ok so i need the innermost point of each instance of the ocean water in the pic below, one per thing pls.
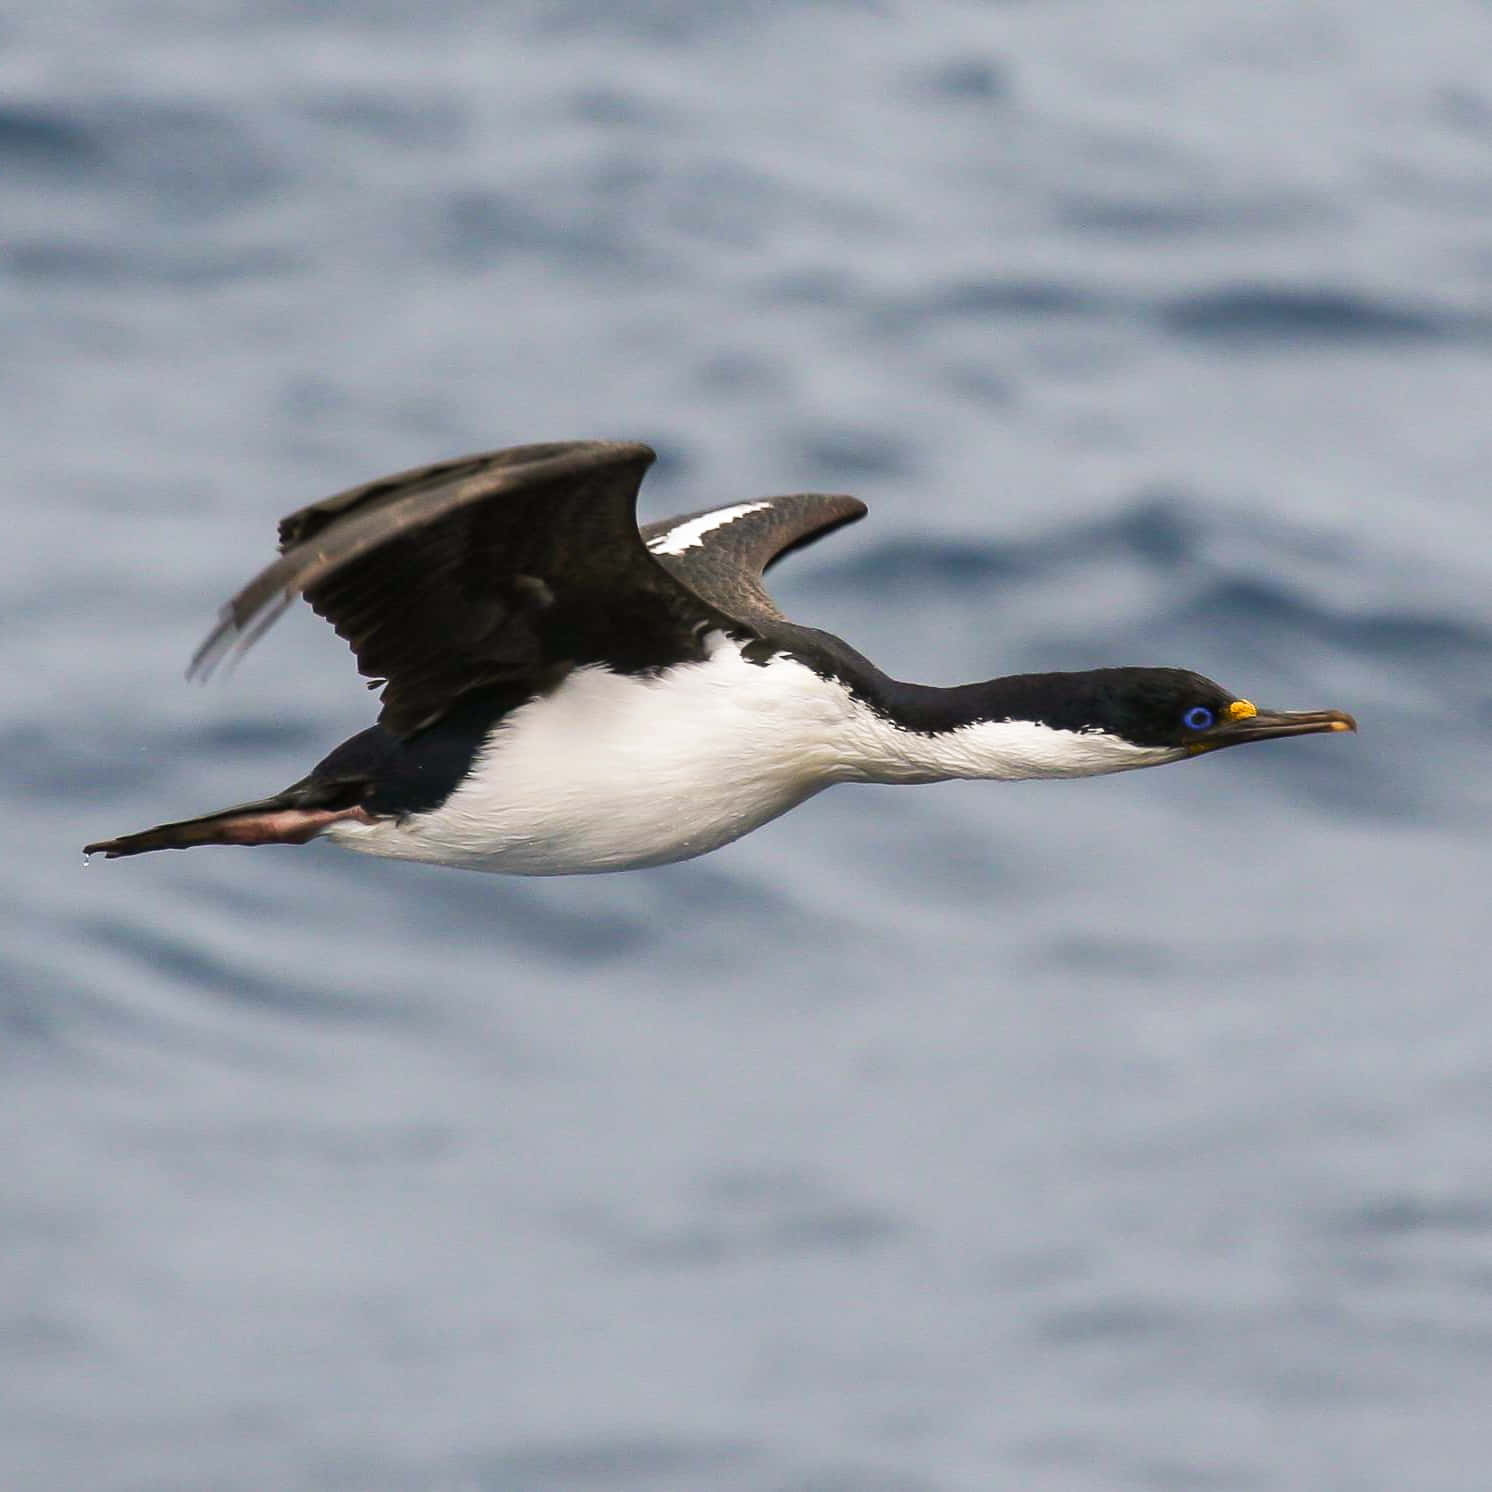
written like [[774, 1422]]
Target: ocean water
[[1069, 1137]]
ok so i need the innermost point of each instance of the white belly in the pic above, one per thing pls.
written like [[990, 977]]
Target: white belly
[[611, 772]]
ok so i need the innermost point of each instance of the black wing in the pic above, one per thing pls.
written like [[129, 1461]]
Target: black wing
[[509, 567], [720, 553]]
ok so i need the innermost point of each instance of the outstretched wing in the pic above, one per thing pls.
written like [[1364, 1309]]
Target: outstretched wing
[[503, 568], [720, 554]]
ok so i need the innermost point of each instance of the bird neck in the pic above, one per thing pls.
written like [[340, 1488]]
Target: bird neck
[[1006, 729]]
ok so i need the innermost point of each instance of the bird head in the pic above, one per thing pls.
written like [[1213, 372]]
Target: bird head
[[1173, 708]]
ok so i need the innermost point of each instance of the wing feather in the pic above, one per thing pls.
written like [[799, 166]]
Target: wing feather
[[506, 567], [722, 553]]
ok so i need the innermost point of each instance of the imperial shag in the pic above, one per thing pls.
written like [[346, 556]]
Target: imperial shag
[[563, 692]]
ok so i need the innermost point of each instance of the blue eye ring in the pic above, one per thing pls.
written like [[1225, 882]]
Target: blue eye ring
[[1199, 717]]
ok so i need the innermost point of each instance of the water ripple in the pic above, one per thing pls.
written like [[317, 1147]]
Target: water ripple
[[1259, 314], [38, 137]]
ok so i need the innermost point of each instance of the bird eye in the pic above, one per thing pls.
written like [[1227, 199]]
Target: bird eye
[[1199, 717]]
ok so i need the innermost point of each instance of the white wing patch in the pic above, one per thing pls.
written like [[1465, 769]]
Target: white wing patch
[[688, 535]]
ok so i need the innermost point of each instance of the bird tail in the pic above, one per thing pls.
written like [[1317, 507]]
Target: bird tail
[[277, 820]]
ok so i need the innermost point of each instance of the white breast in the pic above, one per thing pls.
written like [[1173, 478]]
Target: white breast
[[613, 771]]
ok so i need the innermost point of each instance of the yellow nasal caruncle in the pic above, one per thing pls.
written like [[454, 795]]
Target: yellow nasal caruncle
[[1242, 709]]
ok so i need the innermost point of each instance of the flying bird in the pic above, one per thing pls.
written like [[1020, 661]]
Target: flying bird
[[563, 692]]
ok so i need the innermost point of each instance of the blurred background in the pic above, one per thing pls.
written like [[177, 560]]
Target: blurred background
[[1119, 1134]]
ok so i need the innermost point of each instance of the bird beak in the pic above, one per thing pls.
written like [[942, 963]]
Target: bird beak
[[1267, 725]]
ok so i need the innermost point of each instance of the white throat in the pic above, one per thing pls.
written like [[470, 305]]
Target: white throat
[[1000, 750]]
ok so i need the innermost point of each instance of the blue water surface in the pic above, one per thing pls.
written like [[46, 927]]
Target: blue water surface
[[1069, 1137]]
